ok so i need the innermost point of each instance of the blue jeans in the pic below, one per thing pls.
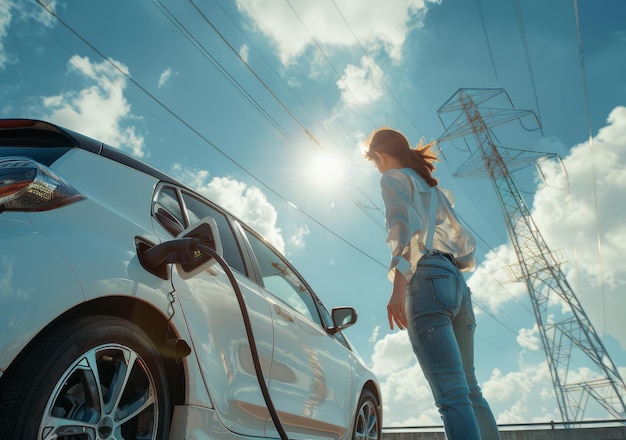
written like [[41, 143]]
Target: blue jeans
[[441, 329]]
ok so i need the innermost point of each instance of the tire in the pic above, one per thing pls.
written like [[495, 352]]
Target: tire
[[95, 377], [367, 422]]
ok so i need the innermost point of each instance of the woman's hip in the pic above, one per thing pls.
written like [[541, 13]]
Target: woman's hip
[[437, 285]]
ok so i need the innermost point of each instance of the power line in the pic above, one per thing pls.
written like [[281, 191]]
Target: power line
[[253, 72], [330, 63], [518, 14], [593, 166], [124, 73], [484, 26], [287, 87], [492, 316], [369, 59], [206, 54], [281, 103]]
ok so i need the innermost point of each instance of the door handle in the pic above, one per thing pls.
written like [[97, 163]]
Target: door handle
[[283, 314]]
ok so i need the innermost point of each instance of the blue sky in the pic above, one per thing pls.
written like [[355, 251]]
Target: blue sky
[[241, 99]]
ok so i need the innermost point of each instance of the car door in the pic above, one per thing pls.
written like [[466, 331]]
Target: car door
[[311, 379], [215, 320]]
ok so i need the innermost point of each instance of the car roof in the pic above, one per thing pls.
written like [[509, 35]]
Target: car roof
[[41, 134]]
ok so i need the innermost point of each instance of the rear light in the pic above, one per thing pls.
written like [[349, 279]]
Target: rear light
[[8, 124], [16, 123], [26, 185]]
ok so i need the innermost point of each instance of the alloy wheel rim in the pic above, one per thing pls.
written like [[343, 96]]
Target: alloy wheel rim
[[367, 422], [106, 393]]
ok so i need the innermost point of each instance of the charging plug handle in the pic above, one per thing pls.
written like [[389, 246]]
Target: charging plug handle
[[179, 250]]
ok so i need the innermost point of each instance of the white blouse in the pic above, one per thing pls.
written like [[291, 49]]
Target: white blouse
[[407, 210]]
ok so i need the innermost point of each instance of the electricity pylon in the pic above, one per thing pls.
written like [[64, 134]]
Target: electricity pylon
[[569, 339]]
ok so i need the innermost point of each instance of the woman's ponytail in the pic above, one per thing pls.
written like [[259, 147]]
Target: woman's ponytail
[[393, 142], [421, 160]]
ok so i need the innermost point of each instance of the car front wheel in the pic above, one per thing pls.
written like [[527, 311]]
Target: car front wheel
[[367, 423], [97, 377]]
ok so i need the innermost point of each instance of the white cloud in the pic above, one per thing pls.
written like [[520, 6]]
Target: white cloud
[[16, 11], [245, 202], [99, 109], [510, 386], [244, 52], [5, 22], [32, 10], [374, 334], [406, 395], [298, 238], [377, 25], [523, 396], [392, 353], [491, 283], [323, 35], [165, 76], [361, 84], [407, 399], [529, 338]]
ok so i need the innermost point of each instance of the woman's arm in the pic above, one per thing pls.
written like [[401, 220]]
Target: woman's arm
[[396, 310], [401, 219]]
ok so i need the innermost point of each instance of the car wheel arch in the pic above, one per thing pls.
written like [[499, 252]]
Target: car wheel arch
[[364, 423], [371, 386], [151, 320], [154, 323]]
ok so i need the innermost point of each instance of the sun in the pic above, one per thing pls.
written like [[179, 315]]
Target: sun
[[325, 169]]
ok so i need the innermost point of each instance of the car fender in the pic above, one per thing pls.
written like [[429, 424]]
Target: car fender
[[41, 273]]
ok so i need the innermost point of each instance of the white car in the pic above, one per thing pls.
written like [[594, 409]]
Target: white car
[[131, 307]]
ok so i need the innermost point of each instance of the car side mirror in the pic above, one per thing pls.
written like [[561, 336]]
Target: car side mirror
[[207, 234], [343, 317]]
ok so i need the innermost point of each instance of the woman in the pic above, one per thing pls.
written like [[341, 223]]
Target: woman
[[430, 298]]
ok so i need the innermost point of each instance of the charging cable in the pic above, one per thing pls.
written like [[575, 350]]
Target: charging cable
[[251, 341]]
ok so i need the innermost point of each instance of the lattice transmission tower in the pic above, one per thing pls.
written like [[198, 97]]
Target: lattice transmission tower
[[569, 339]]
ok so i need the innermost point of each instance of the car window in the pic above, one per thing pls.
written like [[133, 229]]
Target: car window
[[280, 279], [196, 210], [167, 207]]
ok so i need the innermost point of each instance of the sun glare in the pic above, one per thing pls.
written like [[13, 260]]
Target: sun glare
[[325, 169]]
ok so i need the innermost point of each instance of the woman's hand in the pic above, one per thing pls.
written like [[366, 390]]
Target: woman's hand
[[396, 309]]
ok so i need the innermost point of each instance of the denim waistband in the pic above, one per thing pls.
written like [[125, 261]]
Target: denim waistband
[[437, 253]]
